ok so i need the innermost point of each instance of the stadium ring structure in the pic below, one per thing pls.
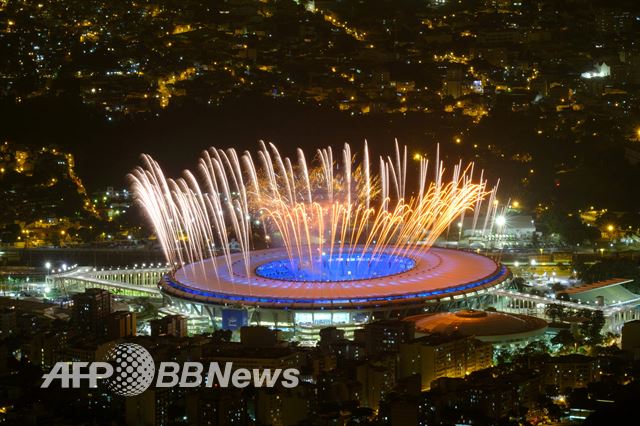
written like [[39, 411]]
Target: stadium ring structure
[[437, 279]]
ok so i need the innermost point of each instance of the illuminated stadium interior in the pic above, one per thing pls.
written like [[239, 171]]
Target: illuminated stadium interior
[[336, 267]]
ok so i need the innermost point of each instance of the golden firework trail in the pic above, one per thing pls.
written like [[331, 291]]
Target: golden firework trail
[[333, 206]]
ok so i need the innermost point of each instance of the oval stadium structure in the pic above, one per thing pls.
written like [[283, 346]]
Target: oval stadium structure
[[345, 296]]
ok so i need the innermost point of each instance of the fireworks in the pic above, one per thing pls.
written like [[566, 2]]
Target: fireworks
[[335, 208]]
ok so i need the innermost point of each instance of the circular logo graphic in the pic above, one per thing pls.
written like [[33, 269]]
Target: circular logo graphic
[[133, 369]]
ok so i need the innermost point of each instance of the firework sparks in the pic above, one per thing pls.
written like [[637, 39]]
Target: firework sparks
[[325, 210]]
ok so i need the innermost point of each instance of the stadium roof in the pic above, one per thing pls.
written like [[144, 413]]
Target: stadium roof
[[598, 285], [439, 274], [612, 294]]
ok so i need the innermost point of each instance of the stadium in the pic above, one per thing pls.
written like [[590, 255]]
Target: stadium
[[344, 245], [439, 277]]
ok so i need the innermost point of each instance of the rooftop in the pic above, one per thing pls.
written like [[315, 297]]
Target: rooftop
[[477, 323], [611, 291], [438, 274], [598, 285]]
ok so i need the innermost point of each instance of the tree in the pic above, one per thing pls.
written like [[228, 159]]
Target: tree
[[610, 338], [592, 328], [10, 233], [536, 347], [86, 234], [535, 240], [554, 311], [564, 338], [547, 404], [503, 357], [536, 292], [569, 227], [519, 283]]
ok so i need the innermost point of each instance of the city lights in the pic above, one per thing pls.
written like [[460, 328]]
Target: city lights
[[485, 273]]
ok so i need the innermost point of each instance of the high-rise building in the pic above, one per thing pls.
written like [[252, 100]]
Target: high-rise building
[[279, 406], [377, 379], [216, 407], [329, 336], [149, 408], [8, 321], [86, 351], [258, 336], [631, 336], [572, 371], [171, 325], [386, 336], [611, 21], [122, 324], [91, 310], [495, 392], [453, 83], [47, 347], [438, 355], [334, 345]]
